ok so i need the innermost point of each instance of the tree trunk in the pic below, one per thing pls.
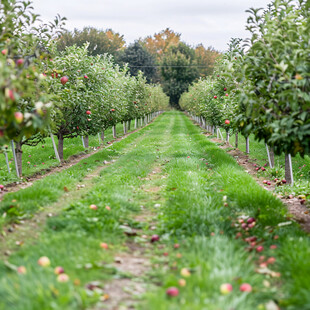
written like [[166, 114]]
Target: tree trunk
[[288, 170], [136, 123], [114, 131], [141, 121], [7, 161], [227, 137], [86, 141], [271, 152], [236, 140], [247, 147], [61, 147], [102, 135], [124, 127], [129, 124], [19, 152]]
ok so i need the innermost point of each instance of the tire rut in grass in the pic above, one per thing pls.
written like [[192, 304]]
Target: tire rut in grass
[[134, 263]]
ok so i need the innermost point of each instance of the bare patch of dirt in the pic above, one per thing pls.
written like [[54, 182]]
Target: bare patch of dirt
[[123, 293]]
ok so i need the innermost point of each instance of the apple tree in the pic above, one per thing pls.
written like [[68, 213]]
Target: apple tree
[[275, 99], [24, 105]]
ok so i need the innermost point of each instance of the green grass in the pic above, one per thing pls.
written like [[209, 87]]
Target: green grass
[[301, 166], [195, 176], [36, 159], [72, 238]]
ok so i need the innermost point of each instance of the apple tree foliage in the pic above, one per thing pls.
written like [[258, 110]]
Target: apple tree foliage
[[267, 83], [24, 104], [91, 94], [276, 98]]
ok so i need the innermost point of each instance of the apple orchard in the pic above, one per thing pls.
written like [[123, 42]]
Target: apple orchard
[[112, 199]]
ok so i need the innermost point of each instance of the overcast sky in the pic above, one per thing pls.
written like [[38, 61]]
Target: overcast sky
[[210, 22]]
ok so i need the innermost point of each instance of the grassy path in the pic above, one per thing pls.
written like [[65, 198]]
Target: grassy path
[[168, 180]]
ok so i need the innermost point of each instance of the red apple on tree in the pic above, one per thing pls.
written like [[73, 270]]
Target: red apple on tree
[[64, 80], [227, 122], [19, 117], [215, 97], [20, 62], [88, 112]]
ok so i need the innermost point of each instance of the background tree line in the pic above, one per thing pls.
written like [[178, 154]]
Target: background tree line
[[163, 57]]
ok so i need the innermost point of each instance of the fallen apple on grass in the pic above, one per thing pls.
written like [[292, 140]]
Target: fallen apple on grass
[[154, 238], [104, 245], [22, 270], [58, 270], [226, 288], [245, 287], [185, 272], [44, 261], [62, 278], [172, 292], [93, 207], [259, 249]]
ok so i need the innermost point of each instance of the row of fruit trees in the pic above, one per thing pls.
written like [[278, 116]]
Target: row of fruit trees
[[262, 86], [45, 92]]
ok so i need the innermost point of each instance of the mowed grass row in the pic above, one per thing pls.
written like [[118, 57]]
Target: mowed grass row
[[76, 239], [204, 194], [207, 194], [43, 157]]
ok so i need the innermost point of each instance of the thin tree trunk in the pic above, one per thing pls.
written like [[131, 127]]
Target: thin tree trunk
[[136, 123], [54, 147], [102, 135], [19, 152], [7, 161], [288, 170], [227, 137], [271, 152], [129, 124], [247, 148], [236, 140], [61, 147], [114, 131], [86, 141], [124, 127]]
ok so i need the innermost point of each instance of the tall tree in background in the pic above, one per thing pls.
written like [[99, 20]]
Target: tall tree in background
[[159, 44], [205, 59], [100, 41], [179, 70], [139, 59]]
